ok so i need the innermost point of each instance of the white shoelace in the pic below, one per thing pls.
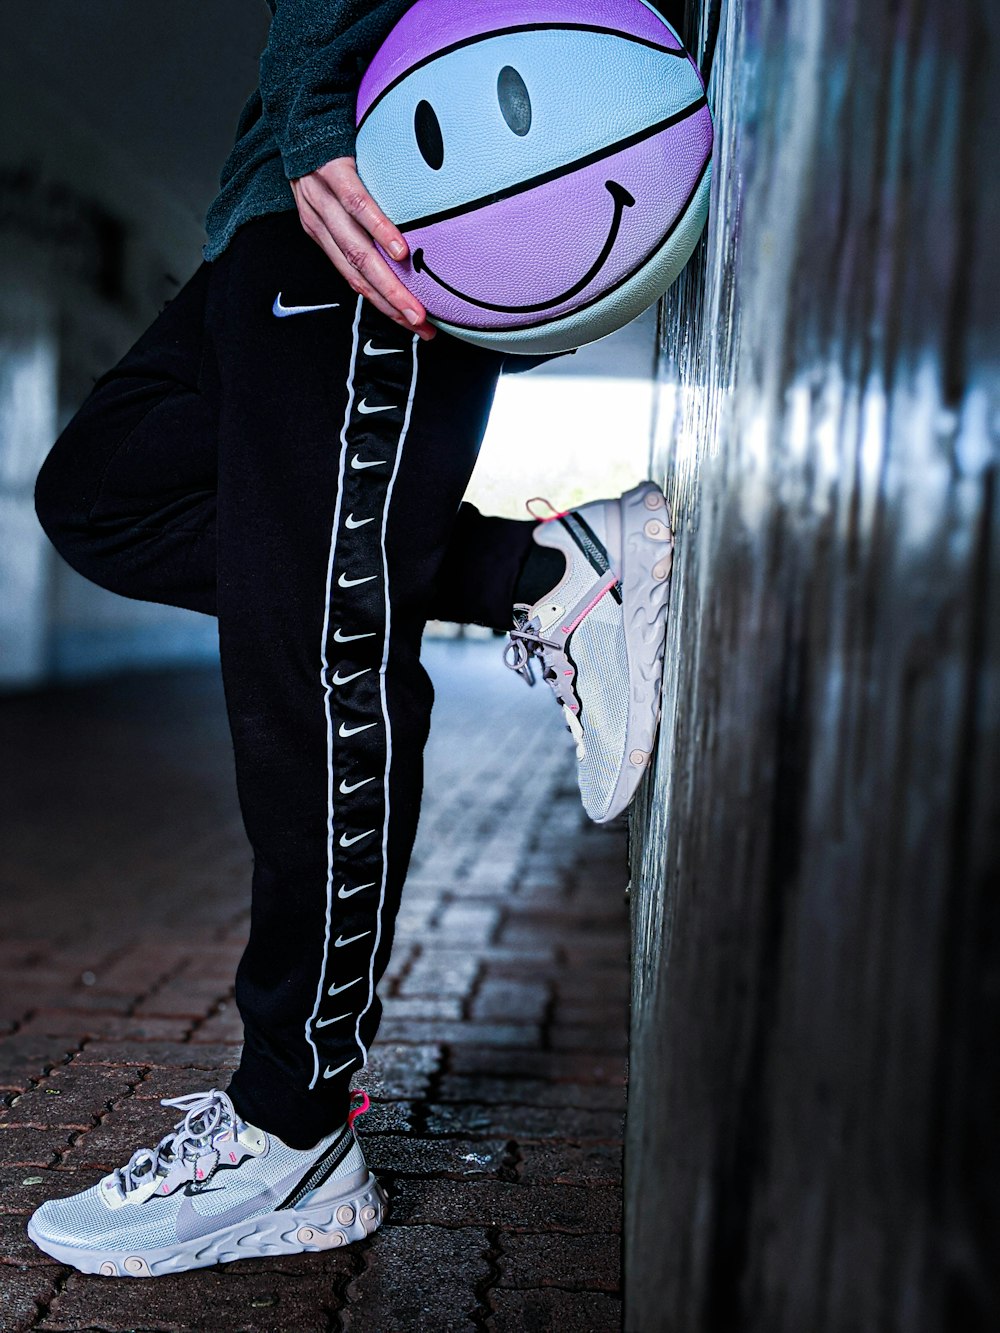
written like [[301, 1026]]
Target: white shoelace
[[205, 1113], [525, 643]]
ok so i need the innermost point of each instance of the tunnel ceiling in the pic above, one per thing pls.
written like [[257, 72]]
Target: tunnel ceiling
[[163, 80]]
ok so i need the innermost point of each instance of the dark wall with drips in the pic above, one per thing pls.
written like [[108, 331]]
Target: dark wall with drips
[[813, 1078]]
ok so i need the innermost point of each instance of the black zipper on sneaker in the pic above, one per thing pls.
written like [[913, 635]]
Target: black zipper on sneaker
[[591, 546], [326, 1165]]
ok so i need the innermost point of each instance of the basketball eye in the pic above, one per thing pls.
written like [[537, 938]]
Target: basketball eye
[[428, 131], [515, 104]]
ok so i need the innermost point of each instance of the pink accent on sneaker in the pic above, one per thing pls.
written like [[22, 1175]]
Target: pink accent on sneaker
[[544, 518], [360, 1109], [568, 629], [232, 1157]]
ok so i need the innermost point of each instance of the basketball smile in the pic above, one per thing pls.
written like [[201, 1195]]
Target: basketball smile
[[622, 200]]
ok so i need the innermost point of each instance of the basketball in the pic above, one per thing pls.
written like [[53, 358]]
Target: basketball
[[547, 161]]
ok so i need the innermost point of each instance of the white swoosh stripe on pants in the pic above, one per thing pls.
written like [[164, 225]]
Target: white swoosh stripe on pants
[[327, 691], [385, 706]]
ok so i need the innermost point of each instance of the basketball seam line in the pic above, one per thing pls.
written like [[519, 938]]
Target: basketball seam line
[[567, 295], [554, 173], [505, 32], [575, 310]]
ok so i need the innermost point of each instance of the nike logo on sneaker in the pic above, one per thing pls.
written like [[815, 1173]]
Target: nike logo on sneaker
[[356, 462], [345, 892], [345, 582], [340, 637], [338, 679], [283, 311], [335, 989], [191, 1224], [346, 731], [347, 840], [325, 1022], [365, 410], [351, 522], [370, 350], [345, 790], [340, 942]]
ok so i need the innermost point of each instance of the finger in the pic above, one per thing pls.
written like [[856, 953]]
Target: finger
[[361, 254], [315, 226], [357, 245], [355, 200]]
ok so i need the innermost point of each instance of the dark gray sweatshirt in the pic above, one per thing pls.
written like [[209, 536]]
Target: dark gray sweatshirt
[[302, 115]]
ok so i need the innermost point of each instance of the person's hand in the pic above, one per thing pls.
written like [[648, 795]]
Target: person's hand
[[343, 219]]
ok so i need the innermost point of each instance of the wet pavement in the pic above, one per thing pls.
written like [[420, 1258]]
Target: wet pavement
[[498, 1077]]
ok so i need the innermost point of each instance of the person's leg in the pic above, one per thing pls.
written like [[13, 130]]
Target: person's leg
[[322, 459], [478, 579], [345, 449], [127, 494]]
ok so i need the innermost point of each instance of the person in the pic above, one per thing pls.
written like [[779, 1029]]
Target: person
[[287, 449]]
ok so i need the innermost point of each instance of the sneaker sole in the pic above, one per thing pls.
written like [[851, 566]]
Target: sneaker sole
[[327, 1226], [647, 556]]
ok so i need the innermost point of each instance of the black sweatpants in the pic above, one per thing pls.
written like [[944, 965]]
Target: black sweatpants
[[299, 475]]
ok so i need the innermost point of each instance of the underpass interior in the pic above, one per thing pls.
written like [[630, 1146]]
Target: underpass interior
[[813, 1016], [499, 1091]]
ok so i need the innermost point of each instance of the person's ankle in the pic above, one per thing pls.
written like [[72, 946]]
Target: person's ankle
[[542, 569]]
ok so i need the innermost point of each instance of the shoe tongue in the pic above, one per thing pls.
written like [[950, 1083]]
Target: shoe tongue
[[204, 1135]]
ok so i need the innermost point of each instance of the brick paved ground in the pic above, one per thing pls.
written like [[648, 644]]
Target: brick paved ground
[[498, 1075]]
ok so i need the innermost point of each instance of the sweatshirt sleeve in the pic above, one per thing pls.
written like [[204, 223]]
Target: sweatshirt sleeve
[[316, 53]]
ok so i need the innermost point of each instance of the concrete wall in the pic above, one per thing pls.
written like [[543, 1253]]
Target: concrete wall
[[813, 1080]]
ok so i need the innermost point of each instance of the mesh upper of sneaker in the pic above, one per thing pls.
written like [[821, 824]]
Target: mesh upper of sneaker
[[232, 1193], [598, 649], [595, 651]]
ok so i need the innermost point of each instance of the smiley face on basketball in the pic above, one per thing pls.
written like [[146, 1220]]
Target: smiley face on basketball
[[548, 162]]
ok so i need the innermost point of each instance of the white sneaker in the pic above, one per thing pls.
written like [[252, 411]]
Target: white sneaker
[[215, 1189], [599, 637]]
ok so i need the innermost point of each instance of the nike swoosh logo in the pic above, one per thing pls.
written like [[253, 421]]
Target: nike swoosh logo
[[345, 582], [380, 351], [346, 731], [345, 790], [340, 942], [356, 462], [325, 1022], [191, 1224], [329, 1073], [340, 637], [338, 679], [283, 311], [347, 841], [335, 990], [345, 892], [352, 522], [365, 410]]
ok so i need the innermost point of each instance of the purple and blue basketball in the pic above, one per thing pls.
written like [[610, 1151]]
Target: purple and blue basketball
[[548, 161]]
